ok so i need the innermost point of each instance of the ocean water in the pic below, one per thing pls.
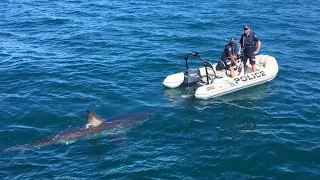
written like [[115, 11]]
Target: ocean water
[[61, 58]]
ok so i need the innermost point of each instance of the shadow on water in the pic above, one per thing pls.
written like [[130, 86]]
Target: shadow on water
[[230, 116]]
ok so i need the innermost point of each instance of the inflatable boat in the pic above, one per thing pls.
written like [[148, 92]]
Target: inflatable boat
[[210, 81]]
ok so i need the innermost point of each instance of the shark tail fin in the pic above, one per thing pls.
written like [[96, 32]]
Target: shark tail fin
[[93, 119]]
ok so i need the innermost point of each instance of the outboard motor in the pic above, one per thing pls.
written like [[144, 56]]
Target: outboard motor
[[191, 78]]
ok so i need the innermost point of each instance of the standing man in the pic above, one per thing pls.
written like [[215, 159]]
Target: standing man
[[228, 56], [250, 43]]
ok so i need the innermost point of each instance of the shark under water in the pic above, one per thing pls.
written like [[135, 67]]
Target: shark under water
[[95, 128]]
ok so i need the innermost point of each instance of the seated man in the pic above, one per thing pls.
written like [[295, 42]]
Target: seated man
[[228, 56]]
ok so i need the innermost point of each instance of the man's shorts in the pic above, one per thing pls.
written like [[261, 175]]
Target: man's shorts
[[249, 55]]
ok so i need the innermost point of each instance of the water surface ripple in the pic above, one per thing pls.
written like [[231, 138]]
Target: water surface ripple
[[60, 58]]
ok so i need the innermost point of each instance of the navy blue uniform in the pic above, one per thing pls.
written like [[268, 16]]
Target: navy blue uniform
[[229, 50], [249, 45]]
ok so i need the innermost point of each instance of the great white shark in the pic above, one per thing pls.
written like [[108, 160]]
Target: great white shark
[[95, 127]]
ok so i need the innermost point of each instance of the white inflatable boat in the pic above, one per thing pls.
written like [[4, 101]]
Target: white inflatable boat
[[208, 82]]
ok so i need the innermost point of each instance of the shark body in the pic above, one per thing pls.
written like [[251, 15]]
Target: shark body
[[93, 129]]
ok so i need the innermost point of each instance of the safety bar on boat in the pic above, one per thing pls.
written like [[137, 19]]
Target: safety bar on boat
[[194, 55], [207, 65]]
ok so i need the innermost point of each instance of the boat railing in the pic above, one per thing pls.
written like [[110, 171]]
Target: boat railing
[[206, 65]]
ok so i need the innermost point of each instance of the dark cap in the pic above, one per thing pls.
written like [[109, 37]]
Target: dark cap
[[233, 40], [246, 27]]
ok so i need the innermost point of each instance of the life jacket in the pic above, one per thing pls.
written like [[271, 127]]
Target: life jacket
[[248, 43]]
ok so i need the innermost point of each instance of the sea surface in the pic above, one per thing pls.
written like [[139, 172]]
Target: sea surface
[[60, 58]]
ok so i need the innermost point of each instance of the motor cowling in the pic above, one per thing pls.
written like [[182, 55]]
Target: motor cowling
[[191, 77]]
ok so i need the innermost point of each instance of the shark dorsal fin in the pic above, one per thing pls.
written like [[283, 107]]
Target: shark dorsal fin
[[93, 119]]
